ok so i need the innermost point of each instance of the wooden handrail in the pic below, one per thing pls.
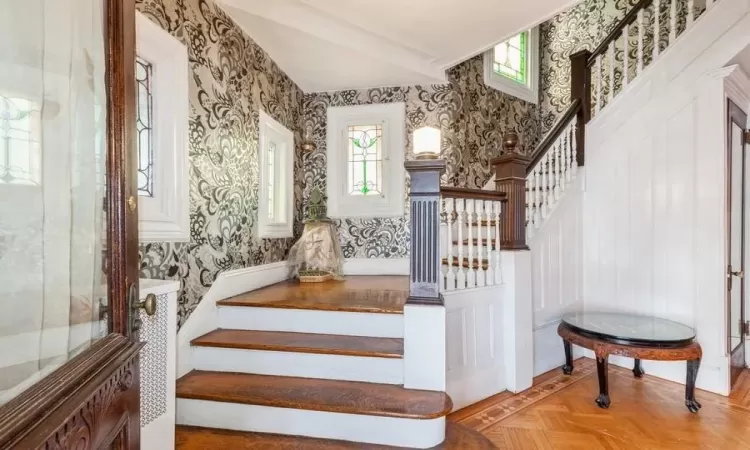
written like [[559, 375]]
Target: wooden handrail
[[617, 31], [476, 194], [551, 137]]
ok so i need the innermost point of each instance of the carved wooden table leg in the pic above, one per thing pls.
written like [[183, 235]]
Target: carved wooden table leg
[[638, 369], [692, 373], [602, 367], [568, 367]]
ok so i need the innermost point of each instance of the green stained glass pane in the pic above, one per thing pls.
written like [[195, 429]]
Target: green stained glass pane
[[365, 159], [511, 58]]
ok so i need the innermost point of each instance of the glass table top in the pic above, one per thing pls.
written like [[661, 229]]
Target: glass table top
[[624, 326]]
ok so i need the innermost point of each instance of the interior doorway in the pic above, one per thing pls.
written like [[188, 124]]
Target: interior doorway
[[737, 198]]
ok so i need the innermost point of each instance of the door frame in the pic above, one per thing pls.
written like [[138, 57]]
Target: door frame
[[735, 115], [94, 399]]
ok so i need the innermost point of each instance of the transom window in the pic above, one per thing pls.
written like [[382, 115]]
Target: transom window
[[365, 159], [20, 129], [143, 76], [510, 58], [512, 66]]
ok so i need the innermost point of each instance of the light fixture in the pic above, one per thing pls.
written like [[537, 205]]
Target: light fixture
[[427, 143]]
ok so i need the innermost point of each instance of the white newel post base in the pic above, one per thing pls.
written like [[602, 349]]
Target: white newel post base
[[424, 347], [518, 320], [158, 363]]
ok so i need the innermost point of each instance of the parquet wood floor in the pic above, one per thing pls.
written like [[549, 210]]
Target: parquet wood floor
[[559, 413]]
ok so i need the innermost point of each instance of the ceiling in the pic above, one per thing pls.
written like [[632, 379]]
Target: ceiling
[[331, 45]]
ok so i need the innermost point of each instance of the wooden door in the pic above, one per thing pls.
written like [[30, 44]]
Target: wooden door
[[737, 185], [68, 225]]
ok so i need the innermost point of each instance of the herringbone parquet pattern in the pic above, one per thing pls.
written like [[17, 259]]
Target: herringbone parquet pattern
[[559, 413]]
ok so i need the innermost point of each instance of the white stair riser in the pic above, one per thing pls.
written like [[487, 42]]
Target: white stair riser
[[319, 424], [311, 321], [294, 364]]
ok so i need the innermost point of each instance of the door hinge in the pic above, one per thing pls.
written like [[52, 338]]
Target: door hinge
[[746, 328], [747, 137]]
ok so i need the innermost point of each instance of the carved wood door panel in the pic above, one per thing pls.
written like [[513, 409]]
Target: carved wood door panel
[[68, 226]]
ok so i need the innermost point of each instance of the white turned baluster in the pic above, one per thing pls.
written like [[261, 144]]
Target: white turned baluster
[[490, 273], [574, 146], [639, 63], [625, 56], [531, 185], [450, 278], [537, 198], [545, 183], [497, 208], [672, 21], [690, 13], [566, 147], [471, 278], [460, 219], [657, 28], [550, 182], [556, 161], [598, 106], [611, 71]]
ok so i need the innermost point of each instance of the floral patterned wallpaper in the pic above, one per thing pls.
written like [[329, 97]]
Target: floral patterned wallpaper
[[473, 119], [231, 77]]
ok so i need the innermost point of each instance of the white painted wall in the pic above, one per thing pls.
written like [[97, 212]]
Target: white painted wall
[[475, 367], [557, 274], [425, 347], [653, 207]]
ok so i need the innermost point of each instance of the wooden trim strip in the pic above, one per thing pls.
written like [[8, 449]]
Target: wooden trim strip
[[476, 194], [629, 18], [33, 406], [551, 137]]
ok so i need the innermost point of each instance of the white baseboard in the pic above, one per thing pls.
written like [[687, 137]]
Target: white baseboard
[[376, 266], [298, 364], [228, 284], [392, 431]]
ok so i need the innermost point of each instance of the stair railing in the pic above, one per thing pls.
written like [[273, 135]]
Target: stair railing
[[534, 184], [470, 238]]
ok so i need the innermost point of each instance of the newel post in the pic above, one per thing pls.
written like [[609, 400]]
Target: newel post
[[510, 177], [580, 88], [424, 199]]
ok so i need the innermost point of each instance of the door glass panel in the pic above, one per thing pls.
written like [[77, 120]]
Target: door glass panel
[[52, 156], [736, 238]]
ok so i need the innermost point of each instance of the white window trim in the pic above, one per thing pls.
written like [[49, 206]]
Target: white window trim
[[391, 202], [166, 215], [528, 92], [285, 191]]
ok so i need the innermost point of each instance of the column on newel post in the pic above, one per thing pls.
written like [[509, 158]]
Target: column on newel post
[[424, 312], [518, 324]]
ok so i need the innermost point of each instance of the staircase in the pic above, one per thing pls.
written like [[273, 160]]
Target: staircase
[[321, 360]]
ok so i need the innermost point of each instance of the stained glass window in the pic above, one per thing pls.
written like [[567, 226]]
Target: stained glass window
[[144, 125], [271, 180], [365, 148], [511, 58], [20, 129]]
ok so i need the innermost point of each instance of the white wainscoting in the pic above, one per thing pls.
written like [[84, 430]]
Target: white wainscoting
[[557, 274], [654, 206], [474, 328], [205, 318]]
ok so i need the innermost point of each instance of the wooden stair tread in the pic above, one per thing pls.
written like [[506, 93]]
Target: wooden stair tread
[[303, 343], [475, 242], [348, 397], [457, 437], [372, 294], [474, 265]]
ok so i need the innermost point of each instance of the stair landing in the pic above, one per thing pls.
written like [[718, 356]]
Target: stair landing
[[457, 437], [371, 294]]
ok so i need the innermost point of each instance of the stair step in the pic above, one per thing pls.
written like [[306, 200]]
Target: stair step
[[303, 343], [371, 294], [474, 265], [475, 242], [347, 397], [457, 437]]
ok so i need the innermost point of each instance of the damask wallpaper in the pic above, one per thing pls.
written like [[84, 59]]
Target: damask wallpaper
[[472, 118], [231, 77]]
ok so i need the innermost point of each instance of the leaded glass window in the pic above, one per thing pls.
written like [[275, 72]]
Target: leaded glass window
[[20, 129], [510, 58], [365, 163], [144, 125]]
